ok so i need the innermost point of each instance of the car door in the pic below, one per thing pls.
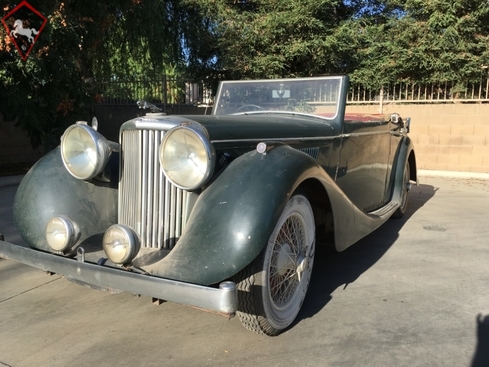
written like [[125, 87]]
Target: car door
[[363, 166]]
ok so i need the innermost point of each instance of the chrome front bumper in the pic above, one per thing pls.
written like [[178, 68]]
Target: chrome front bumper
[[222, 300]]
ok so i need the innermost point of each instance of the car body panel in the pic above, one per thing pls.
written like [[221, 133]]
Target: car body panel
[[48, 190], [364, 161]]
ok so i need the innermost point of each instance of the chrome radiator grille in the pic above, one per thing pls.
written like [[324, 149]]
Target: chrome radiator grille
[[148, 202]]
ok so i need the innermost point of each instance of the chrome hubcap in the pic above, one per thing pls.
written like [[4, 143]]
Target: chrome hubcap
[[301, 265], [285, 260]]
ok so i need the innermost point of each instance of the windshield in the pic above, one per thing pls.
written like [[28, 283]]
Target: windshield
[[316, 96]]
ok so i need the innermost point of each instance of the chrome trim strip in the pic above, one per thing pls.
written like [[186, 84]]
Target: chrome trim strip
[[282, 79], [144, 191], [223, 300], [162, 123], [322, 138], [161, 206], [319, 138], [287, 113], [166, 223], [358, 135]]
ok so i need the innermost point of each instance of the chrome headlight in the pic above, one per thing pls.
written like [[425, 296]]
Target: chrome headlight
[[61, 233], [84, 151], [187, 156], [121, 244]]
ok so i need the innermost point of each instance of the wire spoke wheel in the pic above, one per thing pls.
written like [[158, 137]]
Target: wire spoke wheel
[[273, 288], [290, 242]]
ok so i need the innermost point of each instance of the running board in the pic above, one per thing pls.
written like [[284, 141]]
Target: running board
[[386, 209]]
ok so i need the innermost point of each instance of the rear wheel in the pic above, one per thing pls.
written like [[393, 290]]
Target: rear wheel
[[406, 186], [272, 288]]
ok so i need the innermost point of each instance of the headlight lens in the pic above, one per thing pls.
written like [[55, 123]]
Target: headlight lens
[[187, 156], [61, 233], [84, 151], [121, 244]]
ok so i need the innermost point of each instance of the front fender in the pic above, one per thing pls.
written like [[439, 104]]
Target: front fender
[[48, 190], [234, 217]]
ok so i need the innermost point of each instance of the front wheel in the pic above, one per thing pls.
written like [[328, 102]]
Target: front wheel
[[271, 290]]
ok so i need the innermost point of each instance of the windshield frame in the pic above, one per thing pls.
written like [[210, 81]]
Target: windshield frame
[[224, 85]]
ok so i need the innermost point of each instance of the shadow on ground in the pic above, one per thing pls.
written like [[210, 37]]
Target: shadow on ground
[[481, 355], [334, 269]]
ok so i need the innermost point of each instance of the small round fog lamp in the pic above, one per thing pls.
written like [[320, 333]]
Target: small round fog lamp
[[61, 233], [121, 244]]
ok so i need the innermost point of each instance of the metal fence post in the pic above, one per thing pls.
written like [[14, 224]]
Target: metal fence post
[[381, 106], [165, 95]]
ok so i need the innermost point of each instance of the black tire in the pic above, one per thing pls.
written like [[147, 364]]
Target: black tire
[[406, 185], [272, 288]]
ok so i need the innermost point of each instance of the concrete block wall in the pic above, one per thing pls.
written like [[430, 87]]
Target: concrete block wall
[[447, 137], [15, 145]]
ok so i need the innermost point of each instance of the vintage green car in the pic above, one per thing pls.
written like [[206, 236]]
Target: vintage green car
[[222, 211]]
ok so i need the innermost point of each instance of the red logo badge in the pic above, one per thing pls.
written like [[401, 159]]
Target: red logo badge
[[24, 25]]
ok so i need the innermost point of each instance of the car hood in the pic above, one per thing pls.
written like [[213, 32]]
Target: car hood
[[264, 126]]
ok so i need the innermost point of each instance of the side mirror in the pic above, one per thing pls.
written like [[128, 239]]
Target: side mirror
[[407, 125], [403, 124], [396, 119]]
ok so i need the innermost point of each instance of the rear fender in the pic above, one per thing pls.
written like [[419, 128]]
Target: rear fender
[[351, 224], [405, 154]]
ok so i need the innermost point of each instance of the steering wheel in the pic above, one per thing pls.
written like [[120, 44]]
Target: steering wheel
[[249, 107]]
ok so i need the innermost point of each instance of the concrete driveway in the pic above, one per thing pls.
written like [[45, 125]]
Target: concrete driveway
[[413, 293]]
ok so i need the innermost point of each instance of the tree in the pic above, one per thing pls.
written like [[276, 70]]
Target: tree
[[425, 40], [375, 41], [257, 39], [85, 41], [43, 89]]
